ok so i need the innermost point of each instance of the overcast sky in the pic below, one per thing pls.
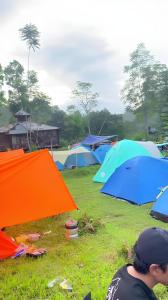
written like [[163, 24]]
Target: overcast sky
[[86, 40]]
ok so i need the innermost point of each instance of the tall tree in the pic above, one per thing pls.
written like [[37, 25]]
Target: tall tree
[[17, 87], [134, 93], [17, 92], [87, 99], [2, 96], [30, 34]]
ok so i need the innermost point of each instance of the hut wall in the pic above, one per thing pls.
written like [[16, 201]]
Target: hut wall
[[5, 142]]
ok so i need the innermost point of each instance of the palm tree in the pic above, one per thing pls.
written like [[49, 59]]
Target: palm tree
[[30, 34]]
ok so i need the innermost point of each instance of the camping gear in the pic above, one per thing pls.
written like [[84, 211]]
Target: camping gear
[[8, 247], [138, 180], [47, 232], [35, 252], [60, 156], [84, 159], [76, 157], [53, 282], [101, 151], [32, 188], [92, 140], [121, 152], [20, 252], [71, 229], [65, 285], [31, 237], [160, 208]]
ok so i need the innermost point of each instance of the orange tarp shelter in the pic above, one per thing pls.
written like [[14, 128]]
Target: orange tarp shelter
[[31, 187], [11, 154], [7, 246]]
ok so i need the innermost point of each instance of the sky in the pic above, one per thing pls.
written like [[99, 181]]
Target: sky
[[83, 40]]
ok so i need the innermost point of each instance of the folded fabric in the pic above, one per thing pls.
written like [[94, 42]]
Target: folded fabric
[[31, 237], [35, 252]]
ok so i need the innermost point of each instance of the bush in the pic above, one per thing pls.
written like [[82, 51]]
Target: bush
[[87, 224], [126, 252]]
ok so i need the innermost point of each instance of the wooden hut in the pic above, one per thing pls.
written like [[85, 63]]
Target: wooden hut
[[24, 133]]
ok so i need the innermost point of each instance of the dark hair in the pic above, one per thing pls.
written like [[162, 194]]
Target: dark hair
[[142, 267]]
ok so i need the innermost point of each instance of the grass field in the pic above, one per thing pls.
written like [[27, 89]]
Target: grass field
[[88, 262]]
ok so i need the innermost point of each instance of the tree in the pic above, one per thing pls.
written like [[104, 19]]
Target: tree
[[17, 92], [86, 98], [105, 123], [40, 108], [134, 93], [33, 85], [2, 97], [30, 34], [74, 127]]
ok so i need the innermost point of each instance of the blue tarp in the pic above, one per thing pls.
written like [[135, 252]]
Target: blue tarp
[[91, 140], [160, 207], [80, 160], [138, 180], [101, 151]]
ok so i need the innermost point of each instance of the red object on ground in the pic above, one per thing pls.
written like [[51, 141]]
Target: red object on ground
[[7, 246], [71, 224]]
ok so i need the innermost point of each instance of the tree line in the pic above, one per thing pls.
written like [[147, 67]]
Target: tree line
[[145, 95], [75, 122]]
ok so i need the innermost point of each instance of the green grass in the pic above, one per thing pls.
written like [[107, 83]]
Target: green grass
[[88, 262]]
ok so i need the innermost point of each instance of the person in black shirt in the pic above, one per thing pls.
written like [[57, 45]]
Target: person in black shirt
[[150, 266]]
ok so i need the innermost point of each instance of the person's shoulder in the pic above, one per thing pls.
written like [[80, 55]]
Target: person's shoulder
[[126, 287], [121, 271]]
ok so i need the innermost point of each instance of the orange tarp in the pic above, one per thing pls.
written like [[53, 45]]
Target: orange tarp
[[11, 154], [31, 188], [7, 246]]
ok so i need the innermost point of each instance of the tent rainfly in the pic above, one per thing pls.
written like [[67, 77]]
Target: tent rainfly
[[11, 154], [32, 188], [92, 140]]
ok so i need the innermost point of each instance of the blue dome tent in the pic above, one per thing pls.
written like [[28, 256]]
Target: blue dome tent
[[101, 151], [120, 153], [138, 180], [160, 207], [79, 157]]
